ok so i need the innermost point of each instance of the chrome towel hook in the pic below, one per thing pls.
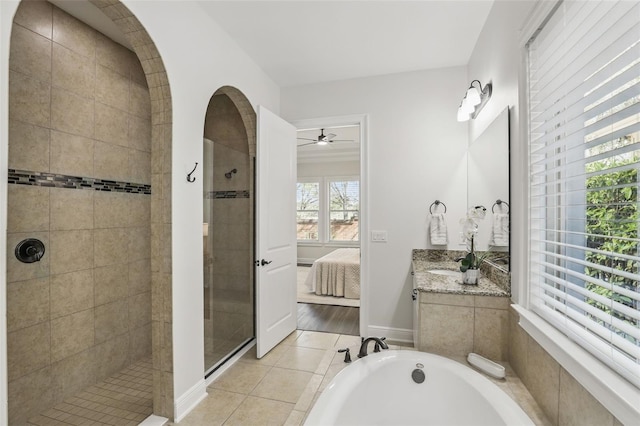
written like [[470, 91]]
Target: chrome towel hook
[[189, 178]]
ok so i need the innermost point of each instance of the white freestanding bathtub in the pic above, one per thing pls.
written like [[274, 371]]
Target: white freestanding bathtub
[[380, 390]]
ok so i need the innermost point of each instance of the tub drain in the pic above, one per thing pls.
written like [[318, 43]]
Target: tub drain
[[418, 376]]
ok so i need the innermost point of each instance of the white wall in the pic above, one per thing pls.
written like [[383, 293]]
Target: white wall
[[496, 58], [416, 154], [199, 58]]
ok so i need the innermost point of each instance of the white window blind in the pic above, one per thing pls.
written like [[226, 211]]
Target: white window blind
[[584, 153]]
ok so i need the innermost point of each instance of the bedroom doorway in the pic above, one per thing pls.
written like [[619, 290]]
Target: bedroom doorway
[[330, 219]]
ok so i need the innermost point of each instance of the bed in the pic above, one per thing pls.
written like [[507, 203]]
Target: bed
[[336, 274]]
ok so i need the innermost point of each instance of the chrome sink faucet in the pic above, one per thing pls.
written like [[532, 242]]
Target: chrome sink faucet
[[379, 344]]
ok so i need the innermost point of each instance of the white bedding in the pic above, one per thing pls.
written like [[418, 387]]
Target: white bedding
[[336, 274]]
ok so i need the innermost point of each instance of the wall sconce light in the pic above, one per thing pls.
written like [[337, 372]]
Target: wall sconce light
[[474, 100]]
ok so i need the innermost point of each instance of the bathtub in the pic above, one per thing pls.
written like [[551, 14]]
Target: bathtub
[[379, 390]]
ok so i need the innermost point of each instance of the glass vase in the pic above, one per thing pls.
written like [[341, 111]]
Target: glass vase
[[471, 276]]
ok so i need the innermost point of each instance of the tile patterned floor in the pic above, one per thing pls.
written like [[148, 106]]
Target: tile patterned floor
[[281, 388], [123, 399]]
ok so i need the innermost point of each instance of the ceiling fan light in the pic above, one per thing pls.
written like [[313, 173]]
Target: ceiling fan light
[[322, 142]]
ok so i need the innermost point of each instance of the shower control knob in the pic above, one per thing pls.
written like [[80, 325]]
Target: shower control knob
[[30, 250]]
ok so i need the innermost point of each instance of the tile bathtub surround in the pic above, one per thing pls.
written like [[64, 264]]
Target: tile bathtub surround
[[284, 385], [80, 177]]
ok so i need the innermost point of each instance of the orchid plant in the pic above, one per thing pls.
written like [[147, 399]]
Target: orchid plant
[[470, 230]]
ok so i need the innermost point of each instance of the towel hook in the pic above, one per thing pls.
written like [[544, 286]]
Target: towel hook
[[499, 203], [437, 203], [189, 178]]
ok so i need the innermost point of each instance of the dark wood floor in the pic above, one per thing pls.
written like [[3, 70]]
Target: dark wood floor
[[329, 318]]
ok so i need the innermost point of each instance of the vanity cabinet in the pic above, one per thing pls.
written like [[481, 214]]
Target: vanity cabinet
[[454, 319]]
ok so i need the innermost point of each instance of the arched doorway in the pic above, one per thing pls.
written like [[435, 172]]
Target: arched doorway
[[228, 225], [58, 368]]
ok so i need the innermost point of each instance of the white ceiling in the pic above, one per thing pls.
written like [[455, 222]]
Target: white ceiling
[[306, 41]]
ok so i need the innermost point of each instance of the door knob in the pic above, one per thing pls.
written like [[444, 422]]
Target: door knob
[[265, 262]]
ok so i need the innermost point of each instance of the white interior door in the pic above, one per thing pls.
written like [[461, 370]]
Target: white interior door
[[276, 254]]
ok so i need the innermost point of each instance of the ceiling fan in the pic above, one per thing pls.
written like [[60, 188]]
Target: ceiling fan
[[323, 139]]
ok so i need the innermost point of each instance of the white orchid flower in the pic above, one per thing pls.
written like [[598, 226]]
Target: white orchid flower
[[477, 212]]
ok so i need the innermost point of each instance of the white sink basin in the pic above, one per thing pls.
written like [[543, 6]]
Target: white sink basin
[[446, 272]]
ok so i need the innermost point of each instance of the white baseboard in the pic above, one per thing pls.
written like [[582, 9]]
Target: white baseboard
[[400, 335], [189, 400], [154, 420]]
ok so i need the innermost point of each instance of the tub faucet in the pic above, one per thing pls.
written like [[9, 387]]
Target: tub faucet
[[363, 347]]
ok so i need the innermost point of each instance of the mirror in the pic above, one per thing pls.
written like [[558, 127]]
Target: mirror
[[488, 185]]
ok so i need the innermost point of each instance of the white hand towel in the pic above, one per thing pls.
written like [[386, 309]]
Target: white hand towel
[[438, 229], [500, 230]]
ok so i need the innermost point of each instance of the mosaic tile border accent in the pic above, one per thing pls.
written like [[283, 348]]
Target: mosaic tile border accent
[[228, 194], [53, 180]]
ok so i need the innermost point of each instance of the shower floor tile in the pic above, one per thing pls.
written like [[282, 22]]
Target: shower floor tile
[[126, 398]]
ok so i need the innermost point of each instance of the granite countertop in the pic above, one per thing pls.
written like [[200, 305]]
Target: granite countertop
[[426, 260]]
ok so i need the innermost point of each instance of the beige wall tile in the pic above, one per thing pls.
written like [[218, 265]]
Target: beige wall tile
[[112, 209], [71, 154], [73, 72], [139, 166], [111, 284], [28, 147], [74, 374], [28, 349], [543, 380], [71, 334], [139, 276], [139, 243], [111, 161], [114, 356], [71, 293], [73, 34], [29, 208], [140, 342], [111, 246], [112, 88], [71, 209], [30, 53], [447, 329], [29, 100], [35, 15], [29, 394], [140, 210], [491, 333], [579, 407], [111, 125], [18, 271], [137, 73], [140, 103], [111, 320], [139, 310], [140, 133], [71, 113], [71, 251], [518, 342], [27, 303], [113, 56]]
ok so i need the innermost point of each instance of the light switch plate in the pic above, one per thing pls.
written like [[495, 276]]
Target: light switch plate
[[379, 236]]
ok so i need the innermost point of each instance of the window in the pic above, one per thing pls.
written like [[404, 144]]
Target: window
[[584, 156], [344, 205], [308, 202], [328, 210]]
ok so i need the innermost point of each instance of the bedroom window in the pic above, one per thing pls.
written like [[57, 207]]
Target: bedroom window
[[328, 210], [308, 205], [584, 157], [344, 207]]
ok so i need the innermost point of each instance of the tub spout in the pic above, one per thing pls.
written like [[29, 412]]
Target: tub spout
[[363, 347]]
